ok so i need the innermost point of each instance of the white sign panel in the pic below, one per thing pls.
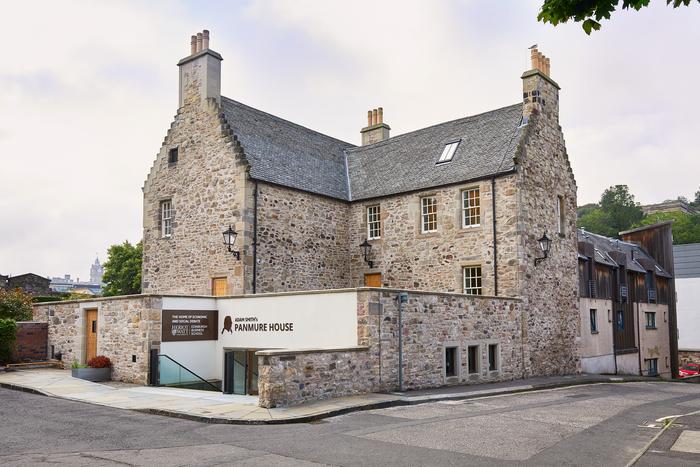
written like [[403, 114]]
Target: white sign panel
[[323, 320]]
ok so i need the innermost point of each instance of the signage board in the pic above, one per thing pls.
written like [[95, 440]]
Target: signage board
[[190, 325]]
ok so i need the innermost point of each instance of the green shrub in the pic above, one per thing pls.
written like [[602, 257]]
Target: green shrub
[[15, 305], [8, 335]]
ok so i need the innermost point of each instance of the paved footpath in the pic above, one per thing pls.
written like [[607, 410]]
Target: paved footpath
[[214, 407]]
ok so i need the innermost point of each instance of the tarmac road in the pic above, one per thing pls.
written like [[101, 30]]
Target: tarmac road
[[599, 424]]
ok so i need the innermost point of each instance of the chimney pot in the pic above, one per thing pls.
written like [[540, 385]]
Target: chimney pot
[[205, 39], [374, 117], [380, 115], [369, 118], [193, 45], [546, 66], [199, 42]]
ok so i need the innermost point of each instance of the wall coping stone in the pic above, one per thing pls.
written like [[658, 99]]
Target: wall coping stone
[[271, 353], [280, 294]]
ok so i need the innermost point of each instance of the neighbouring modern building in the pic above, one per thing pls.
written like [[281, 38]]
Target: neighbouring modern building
[[671, 205], [687, 265], [625, 303], [31, 283], [451, 249], [93, 287]]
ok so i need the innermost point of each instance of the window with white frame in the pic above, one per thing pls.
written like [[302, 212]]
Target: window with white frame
[[166, 218], [471, 208], [560, 215], [428, 214], [472, 280], [374, 226], [448, 153]]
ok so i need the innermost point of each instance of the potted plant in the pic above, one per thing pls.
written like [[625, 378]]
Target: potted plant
[[97, 369]]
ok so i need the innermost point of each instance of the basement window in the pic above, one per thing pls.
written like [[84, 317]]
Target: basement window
[[448, 153], [450, 361]]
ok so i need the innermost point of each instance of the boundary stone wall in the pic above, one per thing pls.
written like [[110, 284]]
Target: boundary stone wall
[[127, 326]]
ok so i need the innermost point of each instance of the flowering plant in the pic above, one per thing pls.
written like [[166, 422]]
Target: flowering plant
[[99, 362]]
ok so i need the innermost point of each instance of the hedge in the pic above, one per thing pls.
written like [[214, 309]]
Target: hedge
[[8, 335]]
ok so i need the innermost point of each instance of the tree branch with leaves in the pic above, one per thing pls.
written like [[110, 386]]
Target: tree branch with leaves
[[591, 12]]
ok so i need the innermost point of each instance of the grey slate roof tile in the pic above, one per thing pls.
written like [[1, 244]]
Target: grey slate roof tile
[[288, 154], [407, 162]]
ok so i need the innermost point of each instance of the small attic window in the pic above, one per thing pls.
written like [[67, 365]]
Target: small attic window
[[173, 155], [448, 153]]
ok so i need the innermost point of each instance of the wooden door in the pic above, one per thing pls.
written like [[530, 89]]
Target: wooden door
[[373, 280], [219, 286], [90, 334]]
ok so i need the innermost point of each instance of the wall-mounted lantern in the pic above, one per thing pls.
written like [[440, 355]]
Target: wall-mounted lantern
[[366, 250], [545, 243], [229, 240]]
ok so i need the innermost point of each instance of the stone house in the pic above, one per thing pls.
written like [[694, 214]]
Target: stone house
[[31, 283], [455, 207], [424, 245], [626, 305]]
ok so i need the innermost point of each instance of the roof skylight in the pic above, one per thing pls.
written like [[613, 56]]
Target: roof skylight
[[448, 153]]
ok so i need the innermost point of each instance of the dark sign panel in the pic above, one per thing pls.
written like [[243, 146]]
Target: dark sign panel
[[190, 325]]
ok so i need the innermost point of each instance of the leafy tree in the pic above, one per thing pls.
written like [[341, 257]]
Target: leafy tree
[[590, 12], [15, 305], [617, 211], [696, 203], [618, 203], [8, 335], [122, 274], [598, 221], [686, 227], [585, 209]]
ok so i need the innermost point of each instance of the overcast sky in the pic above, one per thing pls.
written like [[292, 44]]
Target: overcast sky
[[88, 91]]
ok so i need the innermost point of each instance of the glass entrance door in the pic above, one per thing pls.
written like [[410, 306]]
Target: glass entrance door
[[240, 372]]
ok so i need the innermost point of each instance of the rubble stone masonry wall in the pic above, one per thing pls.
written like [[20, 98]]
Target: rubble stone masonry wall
[[409, 259], [302, 241], [550, 289], [431, 322], [126, 326]]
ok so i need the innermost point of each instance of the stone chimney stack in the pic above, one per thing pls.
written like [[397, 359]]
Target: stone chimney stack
[[200, 72], [540, 92], [376, 130]]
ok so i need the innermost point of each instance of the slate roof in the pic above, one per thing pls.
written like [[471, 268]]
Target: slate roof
[[288, 154], [635, 254], [407, 162]]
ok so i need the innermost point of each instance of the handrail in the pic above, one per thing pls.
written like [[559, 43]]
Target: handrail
[[183, 366]]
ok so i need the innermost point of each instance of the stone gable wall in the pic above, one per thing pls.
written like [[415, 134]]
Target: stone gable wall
[[126, 326], [302, 241], [209, 192], [410, 259], [550, 288]]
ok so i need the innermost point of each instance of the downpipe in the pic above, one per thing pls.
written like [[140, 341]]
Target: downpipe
[[401, 298]]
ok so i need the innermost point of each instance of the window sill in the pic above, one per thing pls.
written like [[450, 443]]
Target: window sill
[[432, 233], [452, 379], [650, 328], [595, 332]]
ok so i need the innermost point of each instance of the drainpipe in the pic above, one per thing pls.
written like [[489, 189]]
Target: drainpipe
[[639, 342], [402, 298], [495, 250], [255, 237], [613, 337]]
